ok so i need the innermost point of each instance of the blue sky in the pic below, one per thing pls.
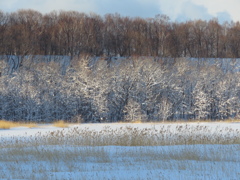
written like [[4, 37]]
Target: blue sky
[[177, 10]]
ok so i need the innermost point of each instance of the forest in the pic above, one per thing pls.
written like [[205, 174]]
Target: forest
[[96, 89], [28, 32], [80, 67]]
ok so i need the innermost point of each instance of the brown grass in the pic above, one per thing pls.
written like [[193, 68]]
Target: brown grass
[[6, 124], [60, 124], [137, 121], [77, 145], [29, 125], [185, 121], [9, 124]]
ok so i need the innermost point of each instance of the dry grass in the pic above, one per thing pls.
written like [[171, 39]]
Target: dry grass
[[137, 121], [60, 124], [44, 161], [9, 124], [76, 146], [30, 125], [128, 135], [179, 121]]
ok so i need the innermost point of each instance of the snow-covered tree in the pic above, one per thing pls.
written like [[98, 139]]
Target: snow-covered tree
[[133, 112], [201, 105]]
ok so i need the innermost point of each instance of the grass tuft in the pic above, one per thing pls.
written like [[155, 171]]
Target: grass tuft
[[60, 124], [6, 124], [137, 121], [47, 152], [9, 124], [29, 125]]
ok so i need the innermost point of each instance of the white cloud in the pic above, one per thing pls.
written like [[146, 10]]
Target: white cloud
[[194, 11], [201, 9], [45, 6], [216, 6], [143, 8], [223, 17], [172, 8], [175, 9], [77, 5], [7, 5]]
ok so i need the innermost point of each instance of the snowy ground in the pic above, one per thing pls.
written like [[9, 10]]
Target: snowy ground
[[122, 151]]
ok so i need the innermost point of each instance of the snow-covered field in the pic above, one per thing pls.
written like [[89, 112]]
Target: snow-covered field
[[122, 151]]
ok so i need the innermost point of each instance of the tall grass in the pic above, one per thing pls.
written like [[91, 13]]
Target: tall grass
[[9, 124], [132, 135], [88, 153], [60, 124], [104, 162]]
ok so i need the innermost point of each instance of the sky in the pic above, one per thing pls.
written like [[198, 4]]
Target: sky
[[177, 10]]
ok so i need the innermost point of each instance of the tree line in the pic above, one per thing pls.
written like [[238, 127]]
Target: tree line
[[73, 33], [94, 89]]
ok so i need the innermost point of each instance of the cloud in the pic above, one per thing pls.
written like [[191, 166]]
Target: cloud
[[45, 6], [172, 8], [224, 17], [76, 5], [201, 9], [214, 7], [193, 11], [8, 5], [142, 8], [175, 9]]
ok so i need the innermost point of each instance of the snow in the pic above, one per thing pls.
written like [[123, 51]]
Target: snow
[[45, 128], [21, 158]]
